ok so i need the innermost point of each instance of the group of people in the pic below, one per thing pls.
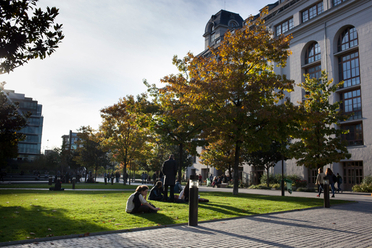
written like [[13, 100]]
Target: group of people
[[137, 203], [332, 178]]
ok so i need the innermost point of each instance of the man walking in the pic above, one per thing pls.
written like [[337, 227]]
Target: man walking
[[169, 170]]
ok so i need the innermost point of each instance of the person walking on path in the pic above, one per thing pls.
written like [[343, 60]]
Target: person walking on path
[[319, 181], [332, 179], [169, 170], [339, 182]]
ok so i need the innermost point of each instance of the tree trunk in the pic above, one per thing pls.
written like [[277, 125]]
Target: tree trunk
[[267, 177], [236, 168]]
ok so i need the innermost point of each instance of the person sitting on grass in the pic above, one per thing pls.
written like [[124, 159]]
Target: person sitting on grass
[[57, 186], [137, 203], [185, 193], [156, 193]]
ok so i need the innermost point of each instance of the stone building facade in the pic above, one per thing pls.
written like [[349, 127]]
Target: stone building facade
[[335, 36]]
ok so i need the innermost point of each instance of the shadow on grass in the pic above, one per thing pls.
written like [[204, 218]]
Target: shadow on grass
[[20, 223], [225, 209], [157, 218]]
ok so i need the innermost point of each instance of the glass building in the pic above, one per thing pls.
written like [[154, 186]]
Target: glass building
[[29, 148]]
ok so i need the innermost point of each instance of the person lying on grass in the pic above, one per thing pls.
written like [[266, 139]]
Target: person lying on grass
[[137, 203]]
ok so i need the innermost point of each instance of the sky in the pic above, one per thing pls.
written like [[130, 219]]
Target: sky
[[109, 48]]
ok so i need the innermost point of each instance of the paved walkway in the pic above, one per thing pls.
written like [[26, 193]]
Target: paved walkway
[[348, 225]]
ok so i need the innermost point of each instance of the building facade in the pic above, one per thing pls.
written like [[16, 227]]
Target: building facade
[[69, 141], [335, 36], [29, 148]]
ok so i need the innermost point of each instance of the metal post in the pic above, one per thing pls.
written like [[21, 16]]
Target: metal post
[[193, 200]]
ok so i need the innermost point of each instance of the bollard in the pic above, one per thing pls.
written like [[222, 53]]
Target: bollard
[[193, 201], [50, 180], [73, 182], [112, 180], [326, 192], [105, 180]]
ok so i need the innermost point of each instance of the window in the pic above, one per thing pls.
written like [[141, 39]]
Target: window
[[314, 71], [284, 27], [349, 69], [355, 135], [312, 53], [233, 24], [337, 2], [352, 104], [312, 12], [348, 39]]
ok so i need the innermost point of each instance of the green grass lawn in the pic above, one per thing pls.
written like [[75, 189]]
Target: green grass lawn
[[36, 214], [69, 186]]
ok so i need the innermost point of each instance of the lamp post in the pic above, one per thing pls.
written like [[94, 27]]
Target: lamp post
[[326, 191], [193, 199]]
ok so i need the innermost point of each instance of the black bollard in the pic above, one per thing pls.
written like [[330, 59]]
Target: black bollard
[[112, 180], [193, 201], [105, 180], [50, 180]]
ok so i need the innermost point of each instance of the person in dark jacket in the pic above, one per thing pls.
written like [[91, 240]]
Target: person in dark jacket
[[331, 178], [156, 193], [169, 170]]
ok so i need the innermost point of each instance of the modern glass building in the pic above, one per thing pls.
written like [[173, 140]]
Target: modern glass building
[[29, 148]]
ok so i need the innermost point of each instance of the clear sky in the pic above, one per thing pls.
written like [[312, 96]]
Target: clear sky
[[109, 48]]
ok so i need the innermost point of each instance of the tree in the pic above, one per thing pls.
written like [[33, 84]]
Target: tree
[[124, 131], [11, 121], [90, 152], [220, 155], [319, 140], [171, 120], [266, 157], [235, 89], [25, 35]]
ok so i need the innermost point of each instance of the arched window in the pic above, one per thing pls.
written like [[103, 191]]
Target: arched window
[[351, 95], [348, 39], [312, 53], [233, 24]]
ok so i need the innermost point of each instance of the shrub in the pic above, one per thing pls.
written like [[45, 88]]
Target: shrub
[[364, 187], [367, 180], [304, 189], [263, 179], [260, 186], [297, 181]]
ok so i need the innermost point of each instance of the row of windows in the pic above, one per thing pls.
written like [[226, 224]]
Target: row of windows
[[32, 139], [351, 101], [28, 105], [35, 121], [28, 148], [31, 130], [306, 15]]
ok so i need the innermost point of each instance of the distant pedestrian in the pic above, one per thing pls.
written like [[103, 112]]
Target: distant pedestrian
[[339, 182], [332, 179], [319, 181], [170, 170]]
